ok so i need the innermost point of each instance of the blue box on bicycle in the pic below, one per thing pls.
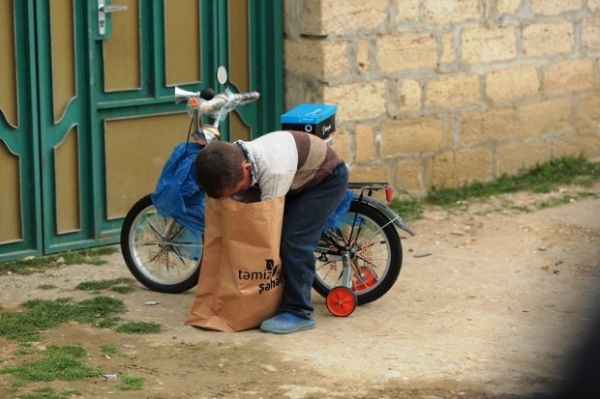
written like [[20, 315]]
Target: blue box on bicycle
[[317, 119]]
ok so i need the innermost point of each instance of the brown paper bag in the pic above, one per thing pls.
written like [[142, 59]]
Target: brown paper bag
[[241, 282]]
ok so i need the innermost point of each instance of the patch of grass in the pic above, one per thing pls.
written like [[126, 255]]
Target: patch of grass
[[89, 311], [131, 383], [28, 265], [408, 209], [584, 180], [541, 178], [25, 350], [120, 285], [40, 264], [518, 208], [587, 194], [123, 289], [139, 327], [50, 393], [552, 202], [90, 256], [110, 350], [59, 363], [109, 322], [70, 350], [40, 315], [46, 287]]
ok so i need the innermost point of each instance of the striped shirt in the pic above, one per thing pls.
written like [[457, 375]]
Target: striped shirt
[[287, 161]]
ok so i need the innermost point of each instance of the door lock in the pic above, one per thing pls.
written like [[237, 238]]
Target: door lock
[[104, 9]]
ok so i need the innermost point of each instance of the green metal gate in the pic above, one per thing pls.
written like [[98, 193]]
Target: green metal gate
[[87, 113]]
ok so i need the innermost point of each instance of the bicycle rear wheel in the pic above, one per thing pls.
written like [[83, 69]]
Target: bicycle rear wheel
[[374, 249], [161, 254]]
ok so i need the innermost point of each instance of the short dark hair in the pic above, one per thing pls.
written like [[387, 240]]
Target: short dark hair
[[219, 166]]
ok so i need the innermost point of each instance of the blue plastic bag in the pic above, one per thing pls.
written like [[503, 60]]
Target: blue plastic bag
[[335, 217], [178, 194]]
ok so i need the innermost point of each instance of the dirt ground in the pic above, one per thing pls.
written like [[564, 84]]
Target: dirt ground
[[495, 310]]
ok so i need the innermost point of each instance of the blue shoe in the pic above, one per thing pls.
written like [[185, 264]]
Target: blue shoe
[[285, 323]]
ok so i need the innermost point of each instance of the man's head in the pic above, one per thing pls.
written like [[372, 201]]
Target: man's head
[[223, 170]]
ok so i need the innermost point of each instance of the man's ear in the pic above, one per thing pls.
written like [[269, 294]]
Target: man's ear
[[247, 166]]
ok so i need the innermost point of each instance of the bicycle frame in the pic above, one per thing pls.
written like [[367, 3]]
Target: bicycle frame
[[361, 234], [366, 189]]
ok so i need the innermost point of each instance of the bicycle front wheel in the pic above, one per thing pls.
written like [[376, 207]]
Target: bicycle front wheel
[[373, 246], [161, 254]]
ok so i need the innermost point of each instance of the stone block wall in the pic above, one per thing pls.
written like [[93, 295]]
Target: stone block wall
[[445, 92]]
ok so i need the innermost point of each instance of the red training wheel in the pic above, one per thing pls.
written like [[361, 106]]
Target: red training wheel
[[341, 301]]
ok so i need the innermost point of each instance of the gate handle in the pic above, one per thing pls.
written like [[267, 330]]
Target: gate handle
[[104, 9], [116, 8]]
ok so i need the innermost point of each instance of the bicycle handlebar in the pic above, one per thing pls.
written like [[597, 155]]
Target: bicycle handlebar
[[219, 104], [226, 101]]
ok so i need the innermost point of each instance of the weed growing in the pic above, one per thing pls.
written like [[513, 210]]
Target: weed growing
[[50, 393], [46, 287], [59, 363], [40, 264], [131, 383], [110, 350], [408, 209], [139, 327], [121, 285], [41, 315], [552, 202], [25, 350], [541, 179]]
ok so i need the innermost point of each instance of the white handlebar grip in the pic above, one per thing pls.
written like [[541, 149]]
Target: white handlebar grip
[[249, 97]]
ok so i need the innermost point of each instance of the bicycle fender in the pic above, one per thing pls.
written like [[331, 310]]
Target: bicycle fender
[[388, 212]]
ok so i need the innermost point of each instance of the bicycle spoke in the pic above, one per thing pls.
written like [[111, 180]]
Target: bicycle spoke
[[331, 269], [365, 247], [153, 258], [333, 239], [372, 261], [181, 243], [340, 235], [154, 230], [357, 271], [176, 233], [324, 265], [372, 267], [178, 254], [148, 243]]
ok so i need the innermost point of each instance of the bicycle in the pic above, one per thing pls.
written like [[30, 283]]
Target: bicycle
[[359, 256]]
